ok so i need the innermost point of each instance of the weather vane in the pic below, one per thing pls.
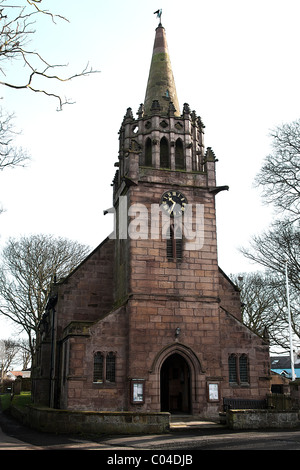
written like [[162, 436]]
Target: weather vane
[[158, 14]]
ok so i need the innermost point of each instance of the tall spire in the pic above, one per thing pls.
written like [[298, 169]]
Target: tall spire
[[161, 85]]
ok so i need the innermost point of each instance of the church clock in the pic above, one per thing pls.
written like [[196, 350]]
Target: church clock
[[173, 202]]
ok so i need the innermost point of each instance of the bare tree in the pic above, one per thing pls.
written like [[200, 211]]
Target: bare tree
[[17, 22], [24, 353], [8, 352], [279, 179], [271, 248], [10, 156], [29, 267], [264, 306], [16, 31], [279, 176]]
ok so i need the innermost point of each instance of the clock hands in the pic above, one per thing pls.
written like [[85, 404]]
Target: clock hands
[[174, 203]]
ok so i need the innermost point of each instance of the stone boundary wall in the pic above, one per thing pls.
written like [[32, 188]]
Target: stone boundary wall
[[93, 422], [262, 419]]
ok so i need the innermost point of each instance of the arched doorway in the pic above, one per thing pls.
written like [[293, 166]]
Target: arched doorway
[[175, 386]]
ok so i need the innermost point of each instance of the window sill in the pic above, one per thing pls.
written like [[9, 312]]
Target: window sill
[[241, 385], [104, 384]]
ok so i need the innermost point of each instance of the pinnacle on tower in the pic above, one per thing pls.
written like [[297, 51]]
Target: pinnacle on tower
[[161, 85]]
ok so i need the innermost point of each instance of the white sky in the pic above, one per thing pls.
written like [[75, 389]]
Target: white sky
[[235, 62]]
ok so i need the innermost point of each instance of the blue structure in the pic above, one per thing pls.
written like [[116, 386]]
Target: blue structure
[[282, 365]]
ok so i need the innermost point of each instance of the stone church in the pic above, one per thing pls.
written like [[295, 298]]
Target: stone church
[[149, 322]]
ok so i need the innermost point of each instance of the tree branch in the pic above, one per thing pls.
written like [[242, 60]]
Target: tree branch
[[13, 39]]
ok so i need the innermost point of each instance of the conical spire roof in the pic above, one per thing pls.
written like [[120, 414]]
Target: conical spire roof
[[161, 85]]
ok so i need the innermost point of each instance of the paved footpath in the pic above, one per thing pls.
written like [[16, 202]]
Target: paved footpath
[[11, 443], [186, 436], [14, 436]]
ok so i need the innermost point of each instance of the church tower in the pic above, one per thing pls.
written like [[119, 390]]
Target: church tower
[[164, 166], [149, 322], [166, 262]]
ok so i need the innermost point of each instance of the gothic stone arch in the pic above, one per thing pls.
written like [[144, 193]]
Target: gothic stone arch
[[185, 355]]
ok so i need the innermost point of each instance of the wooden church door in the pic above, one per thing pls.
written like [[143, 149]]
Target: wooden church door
[[175, 385]]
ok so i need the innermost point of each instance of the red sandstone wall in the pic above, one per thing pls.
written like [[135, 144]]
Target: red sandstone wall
[[79, 391], [229, 296], [87, 293]]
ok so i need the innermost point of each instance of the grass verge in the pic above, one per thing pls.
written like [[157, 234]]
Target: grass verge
[[18, 401]]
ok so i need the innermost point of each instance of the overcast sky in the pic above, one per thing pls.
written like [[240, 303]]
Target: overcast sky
[[235, 62]]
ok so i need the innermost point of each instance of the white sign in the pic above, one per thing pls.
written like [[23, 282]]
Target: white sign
[[213, 391]]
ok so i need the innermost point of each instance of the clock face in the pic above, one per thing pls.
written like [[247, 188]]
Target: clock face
[[173, 203]]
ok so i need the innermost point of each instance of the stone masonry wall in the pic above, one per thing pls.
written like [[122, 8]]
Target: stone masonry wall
[[87, 293], [80, 392]]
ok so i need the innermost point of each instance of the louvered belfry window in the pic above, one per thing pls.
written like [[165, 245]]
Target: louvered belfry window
[[174, 243], [148, 152], [179, 155], [164, 153]]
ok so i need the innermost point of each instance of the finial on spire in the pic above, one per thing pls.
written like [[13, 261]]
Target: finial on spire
[[158, 14]]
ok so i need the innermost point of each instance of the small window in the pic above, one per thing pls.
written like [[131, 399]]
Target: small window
[[110, 367], [243, 364], [232, 368], [238, 366], [104, 367], [98, 368]]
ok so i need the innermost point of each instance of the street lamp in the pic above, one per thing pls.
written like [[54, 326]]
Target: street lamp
[[289, 317]]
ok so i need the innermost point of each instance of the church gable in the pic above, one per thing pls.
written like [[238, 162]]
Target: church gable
[[229, 295], [87, 293]]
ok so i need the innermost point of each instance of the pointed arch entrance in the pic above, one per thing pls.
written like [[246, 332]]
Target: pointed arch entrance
[[175, 385], [178, 356]]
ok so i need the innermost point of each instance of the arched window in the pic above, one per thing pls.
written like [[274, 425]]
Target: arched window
[[179, 157], [232, 369], [243, 364], [98, 368], [148, 152], [238, 366], [110, 367], [104, 367], [164, 153]]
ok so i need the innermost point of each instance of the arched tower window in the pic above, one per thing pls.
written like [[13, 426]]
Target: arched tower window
[[179, 157], [164, 153], [148, 152]]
